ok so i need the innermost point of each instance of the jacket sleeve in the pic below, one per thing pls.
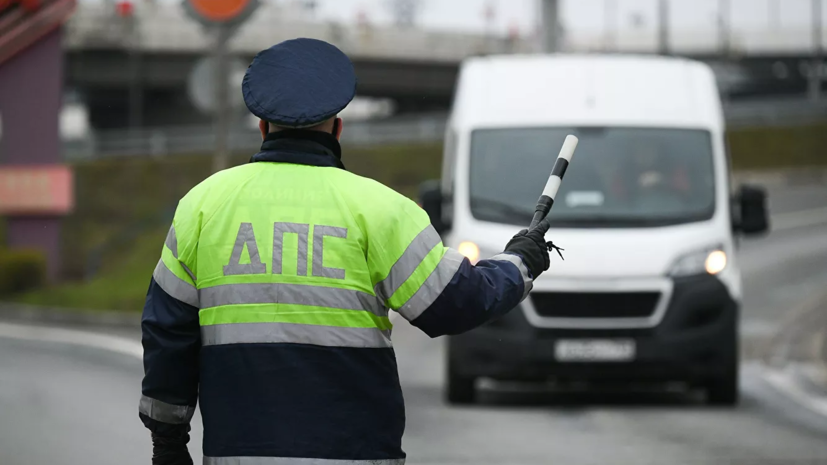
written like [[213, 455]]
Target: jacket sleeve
[[171, 339], [435, 287]]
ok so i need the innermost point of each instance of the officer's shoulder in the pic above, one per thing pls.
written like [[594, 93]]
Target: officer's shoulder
[[221, 181], [368, 188]]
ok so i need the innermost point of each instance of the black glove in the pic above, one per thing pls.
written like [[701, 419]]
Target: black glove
[[171, 450], [532, 247]]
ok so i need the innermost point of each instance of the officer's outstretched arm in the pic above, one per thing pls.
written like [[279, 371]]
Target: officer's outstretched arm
[[436, 288], [171, 339]]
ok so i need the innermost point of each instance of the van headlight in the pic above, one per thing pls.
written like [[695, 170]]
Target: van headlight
[[711, 260], [470, 250]]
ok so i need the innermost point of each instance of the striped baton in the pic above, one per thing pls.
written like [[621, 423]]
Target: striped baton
[[554, 180]]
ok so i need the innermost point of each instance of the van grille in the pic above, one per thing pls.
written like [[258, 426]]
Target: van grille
[[595, 304]]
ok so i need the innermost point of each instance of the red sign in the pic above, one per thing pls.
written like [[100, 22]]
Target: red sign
[[125, 9], [219, 10], [36, 190]]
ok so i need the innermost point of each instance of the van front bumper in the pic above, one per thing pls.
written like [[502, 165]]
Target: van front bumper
[[697, 338]]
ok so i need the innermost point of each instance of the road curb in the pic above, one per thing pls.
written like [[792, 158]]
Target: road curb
[[19, 313]]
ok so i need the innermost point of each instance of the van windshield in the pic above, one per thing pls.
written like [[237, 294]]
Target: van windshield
[[619, 177]]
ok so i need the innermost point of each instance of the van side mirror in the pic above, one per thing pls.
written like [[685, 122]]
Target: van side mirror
[[430, 199], [752, 202]]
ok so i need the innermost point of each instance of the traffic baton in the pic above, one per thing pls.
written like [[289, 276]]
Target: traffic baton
[[545, 202]]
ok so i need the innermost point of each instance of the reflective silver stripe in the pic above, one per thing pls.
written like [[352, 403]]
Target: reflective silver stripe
[[302, 231], [246, 237], [289, 333], [172, 241], [404, 267], [319, 233], [528, 283], [189, 272], [433, 286], [175, 286], [294, 461], [164, 412], [297, 294]]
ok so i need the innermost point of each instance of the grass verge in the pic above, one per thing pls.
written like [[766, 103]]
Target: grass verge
[[120, 285]]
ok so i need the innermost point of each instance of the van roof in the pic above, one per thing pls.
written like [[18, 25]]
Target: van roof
[[586, 90]]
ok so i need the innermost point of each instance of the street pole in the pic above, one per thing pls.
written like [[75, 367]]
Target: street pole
[[220, 159], [774, 14], [724, 22], [724, 26], [818, 52], [663, 27], [135, 86], [610, 25], [551, 25], [490, 17]]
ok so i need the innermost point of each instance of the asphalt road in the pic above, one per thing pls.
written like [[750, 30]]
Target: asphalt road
[[67, 404]]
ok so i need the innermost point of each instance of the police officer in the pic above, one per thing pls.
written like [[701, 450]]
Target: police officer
[[270, 302]]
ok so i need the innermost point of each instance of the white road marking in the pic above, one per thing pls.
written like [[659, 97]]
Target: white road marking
[[783, 380], [792, 220], [758, 328], [116, 344]]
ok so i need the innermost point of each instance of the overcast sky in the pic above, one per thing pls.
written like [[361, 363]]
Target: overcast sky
[[580, 14]]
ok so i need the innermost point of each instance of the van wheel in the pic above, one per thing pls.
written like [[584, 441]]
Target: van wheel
[[723, 390], [460, 390]]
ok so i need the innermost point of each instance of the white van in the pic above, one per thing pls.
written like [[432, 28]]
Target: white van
[[650, 287]]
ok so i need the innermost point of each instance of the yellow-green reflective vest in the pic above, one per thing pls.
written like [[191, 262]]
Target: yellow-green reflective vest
[[273, 252]]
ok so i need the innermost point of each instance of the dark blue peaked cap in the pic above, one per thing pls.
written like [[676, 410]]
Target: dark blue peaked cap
[[299, 83]]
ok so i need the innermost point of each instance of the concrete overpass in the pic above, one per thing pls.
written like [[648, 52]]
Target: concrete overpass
[[145, 59]]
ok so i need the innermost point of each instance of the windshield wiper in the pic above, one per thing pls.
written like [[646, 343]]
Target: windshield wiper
[[503, 208], [609, 220]]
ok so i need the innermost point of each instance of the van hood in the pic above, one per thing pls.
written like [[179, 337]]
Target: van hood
[[606, 252]]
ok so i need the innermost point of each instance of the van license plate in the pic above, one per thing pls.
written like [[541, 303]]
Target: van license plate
[[595, 350]]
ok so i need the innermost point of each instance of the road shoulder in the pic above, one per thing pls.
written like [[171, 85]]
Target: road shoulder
[[795, 361], [36, 315]]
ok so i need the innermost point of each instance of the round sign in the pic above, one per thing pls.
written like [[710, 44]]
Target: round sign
[[219, 10], [201, 85], [214, 12]]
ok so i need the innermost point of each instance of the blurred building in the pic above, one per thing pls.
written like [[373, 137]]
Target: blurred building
[[35, 188]]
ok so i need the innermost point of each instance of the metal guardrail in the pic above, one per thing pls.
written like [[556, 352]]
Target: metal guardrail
[[776, 112], [201, 139], [412, 129]]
